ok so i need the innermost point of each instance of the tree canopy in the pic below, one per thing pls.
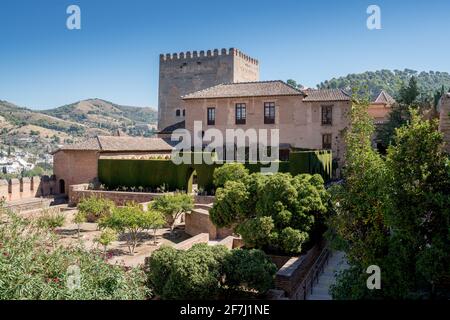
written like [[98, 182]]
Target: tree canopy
[[394, 213], [276, 211]]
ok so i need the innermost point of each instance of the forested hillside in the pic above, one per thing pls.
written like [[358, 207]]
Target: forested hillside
[[390, 81]]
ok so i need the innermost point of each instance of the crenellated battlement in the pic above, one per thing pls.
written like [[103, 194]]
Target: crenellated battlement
[[208, 53], [189, 71]]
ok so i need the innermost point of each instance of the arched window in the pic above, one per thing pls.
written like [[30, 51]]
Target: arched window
[[178, 112], [184, 112]]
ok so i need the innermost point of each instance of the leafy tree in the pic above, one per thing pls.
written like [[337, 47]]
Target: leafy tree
[[232, 204], [79, 218], [130, 220], [262, 207], [257, 231], [173, 206], [95, 208], [359, 204], [157, 221], [294, 84], [394, 213], [399, 116], [419, 218], [229, 172], [106, 238]]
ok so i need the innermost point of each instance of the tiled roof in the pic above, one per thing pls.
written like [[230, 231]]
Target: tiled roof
[[326, 95], [245, 89], [384, 97], [110, 143]]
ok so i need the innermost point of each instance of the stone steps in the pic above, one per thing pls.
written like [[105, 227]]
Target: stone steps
[[336, 263]]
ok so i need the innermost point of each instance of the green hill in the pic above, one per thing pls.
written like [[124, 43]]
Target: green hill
[[390, 81]]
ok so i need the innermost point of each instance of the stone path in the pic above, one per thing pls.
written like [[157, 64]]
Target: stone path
[[336, 263]]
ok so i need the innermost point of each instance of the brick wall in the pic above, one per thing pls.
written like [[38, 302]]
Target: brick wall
[[198, 222], [290, 275], [78, 192]]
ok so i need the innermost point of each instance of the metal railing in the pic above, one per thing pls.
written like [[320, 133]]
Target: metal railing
[[312, 277]]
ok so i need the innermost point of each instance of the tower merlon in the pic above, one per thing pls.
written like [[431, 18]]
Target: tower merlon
[[177, 56]]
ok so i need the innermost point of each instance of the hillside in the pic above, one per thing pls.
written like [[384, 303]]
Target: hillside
[[38, 132], [390, 81], [97, 113]]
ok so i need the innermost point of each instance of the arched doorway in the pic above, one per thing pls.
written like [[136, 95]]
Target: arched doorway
[[62, 186]]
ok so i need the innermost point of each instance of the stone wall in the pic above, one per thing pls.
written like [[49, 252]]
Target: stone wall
[[187, 244], [290, 275], [73, 167], [187, 72], [27, 188], [80, 191], [198, 222]]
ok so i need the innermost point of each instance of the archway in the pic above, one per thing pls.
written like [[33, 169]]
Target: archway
[[62, 186]]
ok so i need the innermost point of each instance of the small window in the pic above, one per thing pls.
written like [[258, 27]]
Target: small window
[[178, 112], [269, 112], [326, 141], [211, 114], [327, 115], [184, 112], [241, 113]]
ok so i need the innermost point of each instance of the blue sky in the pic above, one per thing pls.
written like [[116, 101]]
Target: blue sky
[[115, 55]]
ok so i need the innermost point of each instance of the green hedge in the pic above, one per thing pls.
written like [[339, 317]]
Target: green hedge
[[155, 173], [145, 173]]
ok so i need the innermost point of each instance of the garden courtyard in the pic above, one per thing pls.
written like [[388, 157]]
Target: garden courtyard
[[117, 251]]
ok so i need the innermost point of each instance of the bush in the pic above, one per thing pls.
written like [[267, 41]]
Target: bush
[[51, 219], [206, 272], [95, 208], [251, 269], [229, 172], [31, 267]]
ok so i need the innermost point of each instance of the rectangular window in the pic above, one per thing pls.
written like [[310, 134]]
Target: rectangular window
[[241, 113], [326, 141], [269, 112], [327, 115], [211, 116]]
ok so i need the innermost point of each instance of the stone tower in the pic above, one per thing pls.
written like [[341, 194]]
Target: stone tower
[[444, 121], [186, 72]]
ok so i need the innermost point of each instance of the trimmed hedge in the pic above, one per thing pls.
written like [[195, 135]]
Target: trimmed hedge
[[155, 173]]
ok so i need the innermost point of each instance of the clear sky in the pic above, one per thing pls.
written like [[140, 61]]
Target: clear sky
[[115, 55]]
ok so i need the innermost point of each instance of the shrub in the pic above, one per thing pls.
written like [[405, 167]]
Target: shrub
[[206, 272], [95, 208], [229, 172], [251, 269], [31, 268], [51, 219]]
